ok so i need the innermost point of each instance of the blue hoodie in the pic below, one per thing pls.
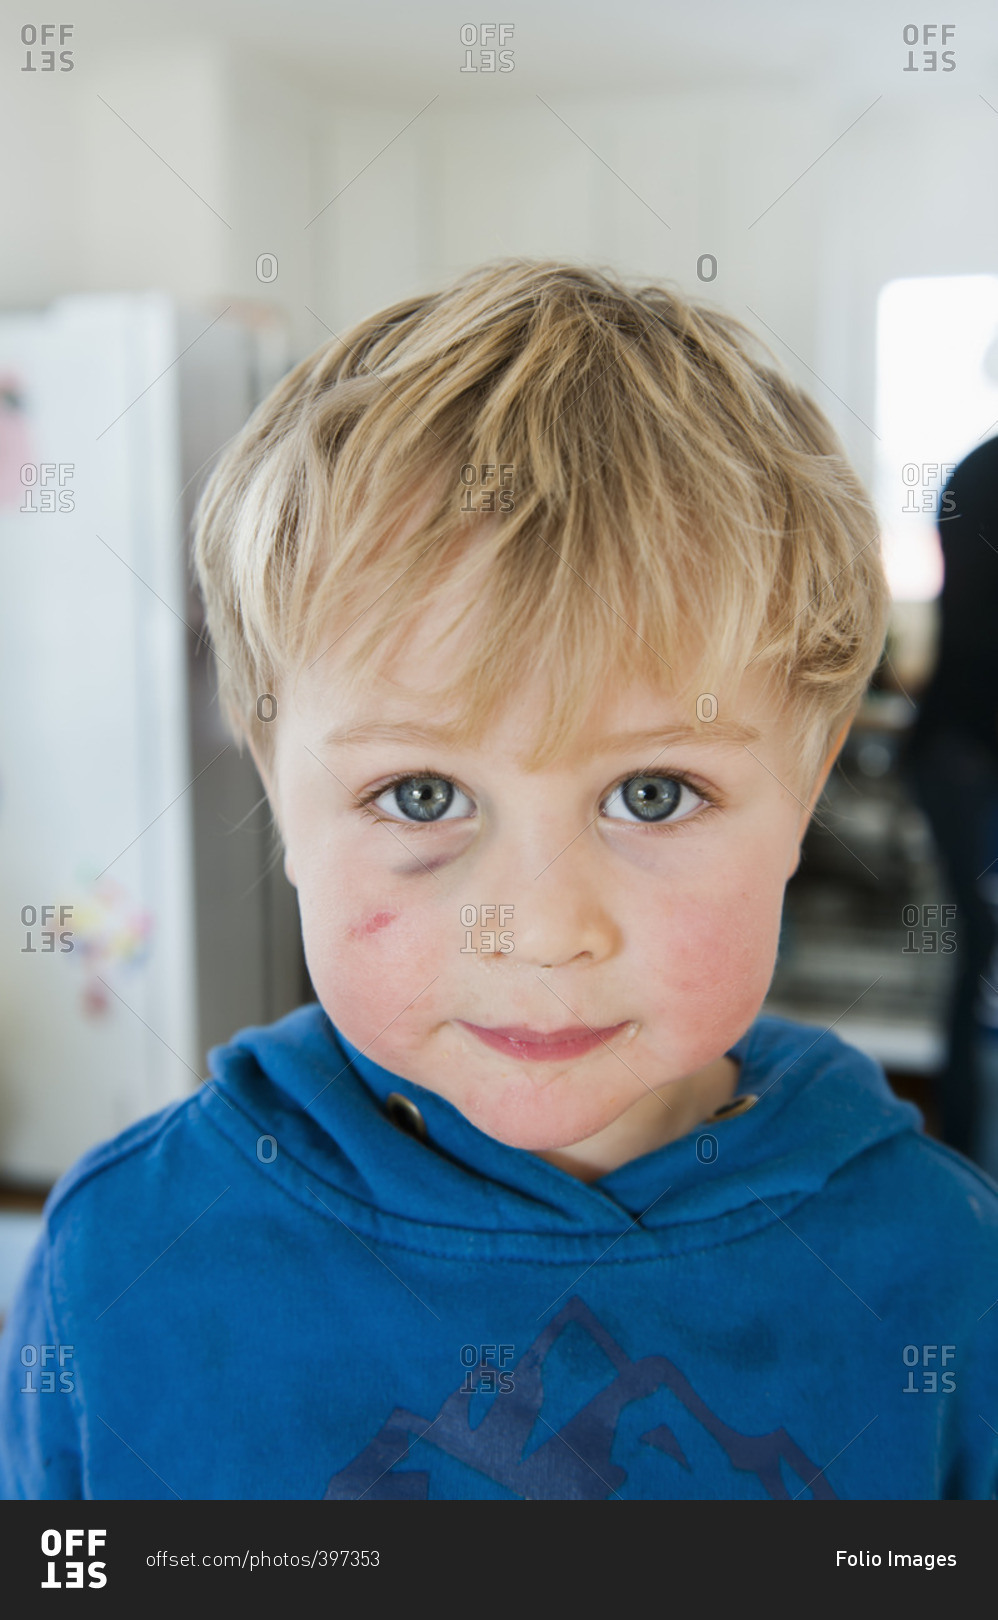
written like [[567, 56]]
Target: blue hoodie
[[272, 1290]]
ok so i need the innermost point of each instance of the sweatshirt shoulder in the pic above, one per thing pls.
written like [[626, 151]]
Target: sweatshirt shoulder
[[969, 1187], [119, 1156], [139, 1174], [236, 1079], [937, 1192]]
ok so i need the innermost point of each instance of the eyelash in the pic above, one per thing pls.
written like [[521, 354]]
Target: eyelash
[[712, 803]]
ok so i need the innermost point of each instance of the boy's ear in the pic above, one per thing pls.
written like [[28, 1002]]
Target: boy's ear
[[820, 780]]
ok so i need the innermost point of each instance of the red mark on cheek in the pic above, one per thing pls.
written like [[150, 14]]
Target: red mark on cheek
[[381, 919]]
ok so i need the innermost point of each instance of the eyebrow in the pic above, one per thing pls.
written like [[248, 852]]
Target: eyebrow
[[713, 731]]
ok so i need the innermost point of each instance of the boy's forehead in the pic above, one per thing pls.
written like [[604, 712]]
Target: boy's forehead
[[396, 699], [398, 707]]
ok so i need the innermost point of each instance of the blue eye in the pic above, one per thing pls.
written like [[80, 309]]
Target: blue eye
[[652, 799], [421, 798]]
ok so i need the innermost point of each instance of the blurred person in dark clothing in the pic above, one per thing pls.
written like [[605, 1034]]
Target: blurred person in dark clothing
[[950, 763]]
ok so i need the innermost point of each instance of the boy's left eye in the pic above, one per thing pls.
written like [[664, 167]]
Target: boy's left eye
[[653, 798]]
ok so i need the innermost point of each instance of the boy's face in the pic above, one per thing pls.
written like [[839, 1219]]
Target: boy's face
[[660, 931]]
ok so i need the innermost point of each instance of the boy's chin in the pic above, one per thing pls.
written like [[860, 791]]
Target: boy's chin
[[538, 1122]]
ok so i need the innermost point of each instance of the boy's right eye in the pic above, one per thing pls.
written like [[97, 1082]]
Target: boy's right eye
[[419, 799]]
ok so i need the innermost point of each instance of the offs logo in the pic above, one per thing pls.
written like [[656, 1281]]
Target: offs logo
[[575, 1462]]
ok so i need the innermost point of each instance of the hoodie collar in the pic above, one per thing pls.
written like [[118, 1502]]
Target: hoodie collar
[[820, 1104]]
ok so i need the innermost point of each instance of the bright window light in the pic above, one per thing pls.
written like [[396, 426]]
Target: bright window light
[[937, 399]]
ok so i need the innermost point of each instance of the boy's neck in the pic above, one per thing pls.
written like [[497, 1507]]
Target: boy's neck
[[649, 1124]]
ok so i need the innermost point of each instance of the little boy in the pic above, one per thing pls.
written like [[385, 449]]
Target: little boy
[[544, 606]]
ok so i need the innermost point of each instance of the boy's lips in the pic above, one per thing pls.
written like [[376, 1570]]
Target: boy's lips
[[536, 1045]]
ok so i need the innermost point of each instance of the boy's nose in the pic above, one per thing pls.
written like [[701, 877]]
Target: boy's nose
[[553, 937], [548, 906]]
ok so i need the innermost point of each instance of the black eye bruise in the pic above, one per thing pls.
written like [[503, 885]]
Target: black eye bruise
[[414, 795], [643, 796]]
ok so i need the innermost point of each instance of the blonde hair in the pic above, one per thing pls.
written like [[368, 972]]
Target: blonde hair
[[680, 509]]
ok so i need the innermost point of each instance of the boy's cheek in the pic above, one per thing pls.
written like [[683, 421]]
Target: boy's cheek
[[379, 953], [725, 947], [712, 949], [371, 925]]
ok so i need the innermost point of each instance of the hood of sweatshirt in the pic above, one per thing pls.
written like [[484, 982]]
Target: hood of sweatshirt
[[296, 1277], [820, 1104]]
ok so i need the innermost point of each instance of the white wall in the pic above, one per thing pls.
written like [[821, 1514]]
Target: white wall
[[905, 191]]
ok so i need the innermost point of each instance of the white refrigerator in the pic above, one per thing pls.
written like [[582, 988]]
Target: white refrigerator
[[145, 913]]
